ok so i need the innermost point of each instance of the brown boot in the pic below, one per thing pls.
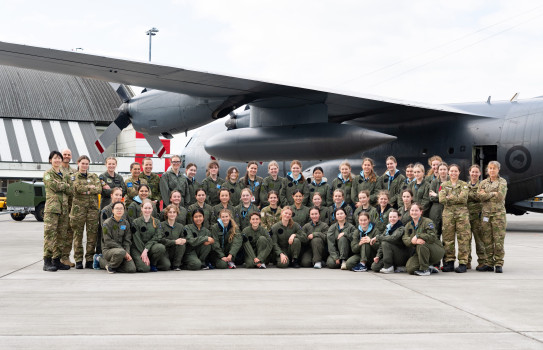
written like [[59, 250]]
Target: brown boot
[[67, 262]]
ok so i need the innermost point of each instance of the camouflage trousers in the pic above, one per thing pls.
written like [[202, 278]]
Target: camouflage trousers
[[477, 233], [493, 228], [456, 227], [55, 227], [68, 238], [78, 221]]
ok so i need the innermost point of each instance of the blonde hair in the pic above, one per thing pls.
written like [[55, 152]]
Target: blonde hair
[[111, 158], [145, 201], [210, 164], [273, 163], [346, 163], [234, 227], [290, 222], [430, 161], [373, 176]]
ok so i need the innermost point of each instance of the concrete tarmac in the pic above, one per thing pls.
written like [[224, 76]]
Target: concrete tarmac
[[272, 308]]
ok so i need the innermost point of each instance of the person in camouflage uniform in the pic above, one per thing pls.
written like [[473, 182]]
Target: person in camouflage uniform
[[314, 253], [109, 180], [173, 238], [475, 207], [85, 212], [117, 239], [212, 183], [344, 182], [68, 239], [147, 232], [252, 182], [228, 242], [492, 192], [173, 180], [436, 210], [233, 186], [454, 197], [270, 183], [257, 244], [271, 214], [193, 185], [392, 181], [367, 180], [294, 181], [57, 189], [321, 186], [133, 183], [153, 180]]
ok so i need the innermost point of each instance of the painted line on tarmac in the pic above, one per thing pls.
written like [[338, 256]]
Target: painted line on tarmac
[[19, 269]]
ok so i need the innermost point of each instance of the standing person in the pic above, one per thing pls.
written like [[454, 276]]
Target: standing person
[[257, 243], [454, 197], [133, 183], [300, 213], [233, 186], [363, 206], [364, 246], [319, 185], [339, 237], [193, 185], [316, 231], [85, 212], [392, 252], [475, 208], [324, 211], [272, 182], [56, 221], [134, 209], [367, 180], [212, 183], [228, 242], [420, 188], [175, 200], [109, 180], [153, 180], [252, 182], [272, 213], [173, 180], [392, 181], [405, 209], [344, 181], [339, 202], [117, 239], [199, 242], [287, 237], [68, 238], [242, 212], [294, 181], [148, 253], [226, 203], [492, 192], [433, 162], [383, 209], [436, 210], [173, 239], [420, 237], [409, 175], [201, 204]]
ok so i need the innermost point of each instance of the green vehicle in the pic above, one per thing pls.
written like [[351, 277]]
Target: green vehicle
[[25, 198]]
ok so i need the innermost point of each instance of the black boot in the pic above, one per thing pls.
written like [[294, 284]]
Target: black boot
[[60, 265], [295, 263], [48, 265], [448, 266], [88, 265], [461, 268]]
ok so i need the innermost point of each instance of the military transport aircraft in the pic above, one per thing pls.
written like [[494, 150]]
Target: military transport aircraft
[[289, 122]]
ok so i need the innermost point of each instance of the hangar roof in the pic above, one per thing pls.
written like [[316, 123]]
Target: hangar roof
[[30, 94]]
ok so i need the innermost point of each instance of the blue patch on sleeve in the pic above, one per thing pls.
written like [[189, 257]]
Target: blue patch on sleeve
[[431, 225], [257, 183], [129, 184], [123, 227], [219, 186]]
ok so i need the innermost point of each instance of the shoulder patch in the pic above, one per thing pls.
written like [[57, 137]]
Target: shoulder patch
[[104, 216], [133, 229], [129, 184], [431, 225], [194, 235], [290, 184], [123, 227], [166, 233], [280, 231], [143, 229], [72, 178], [47, 177]]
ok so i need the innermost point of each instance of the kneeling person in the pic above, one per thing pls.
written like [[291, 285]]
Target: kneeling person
[[227, 242]]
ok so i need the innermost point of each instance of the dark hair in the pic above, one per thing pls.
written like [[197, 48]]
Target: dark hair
[[273, 192], [200, 189], [114, 204], [55, 153], [318, 168], [197, 210], [296, 191], [314, 208], [133, 165], [338, 209], [82, 157]]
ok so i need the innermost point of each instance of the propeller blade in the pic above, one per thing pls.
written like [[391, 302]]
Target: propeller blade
[[112, 131], [156, 144], [124, 92]]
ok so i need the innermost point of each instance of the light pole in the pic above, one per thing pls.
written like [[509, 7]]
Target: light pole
[[151, 32]]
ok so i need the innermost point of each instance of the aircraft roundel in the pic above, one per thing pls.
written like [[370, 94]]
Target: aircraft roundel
[[518, 159]]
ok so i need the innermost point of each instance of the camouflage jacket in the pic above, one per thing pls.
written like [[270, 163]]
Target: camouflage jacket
[[474, 203], [116, 234], [269, 218], [492, 195], [84, 195], [57, 189], [153, 181], [132, 188], [454, 196], [170, 182]]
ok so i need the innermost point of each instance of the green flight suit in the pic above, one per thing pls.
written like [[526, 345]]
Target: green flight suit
[[212, 188], [242, 215], [217, 209], [193, 185], [341, 184], [423, 255], [280, 235], [133, 211], [256, 244], [436, 208], [360, 183], [112, 181], [420, 195], [269, 184], [169, 182], [324, 189], [316, 250], [148, 235], [301, 215], [208, 213], [365, 252], [372, 212], [116, 242], [196, 253], [382, 217], [174, 251], [348, 211], [290, 185], [394, 185], [254, 186], [235, 192], [181, 217], [392, 251], [339, 249], [225, 245]]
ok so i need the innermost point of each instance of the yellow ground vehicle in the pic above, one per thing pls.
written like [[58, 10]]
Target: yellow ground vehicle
[[2, 201]]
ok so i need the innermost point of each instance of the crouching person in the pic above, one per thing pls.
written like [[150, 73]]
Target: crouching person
[[316, 235], [257, 243], [116, 241], [420, 236], [227, 242], [339, 237], [147, 252], [173, 239], [199, 242], [393, 253], [287, 237], [364, 244]]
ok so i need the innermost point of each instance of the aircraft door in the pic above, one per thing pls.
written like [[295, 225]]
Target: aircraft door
[[482, 155]]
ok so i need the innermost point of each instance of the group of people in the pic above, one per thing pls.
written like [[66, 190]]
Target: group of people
[[411, 223]]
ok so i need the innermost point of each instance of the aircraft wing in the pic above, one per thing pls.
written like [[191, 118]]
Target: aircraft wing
[[341, 106]]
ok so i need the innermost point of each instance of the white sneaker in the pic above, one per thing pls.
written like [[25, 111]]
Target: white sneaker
[[343, 265], [318, 265], [389, 270], [262, 266], [231, 265], [400, 269]]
